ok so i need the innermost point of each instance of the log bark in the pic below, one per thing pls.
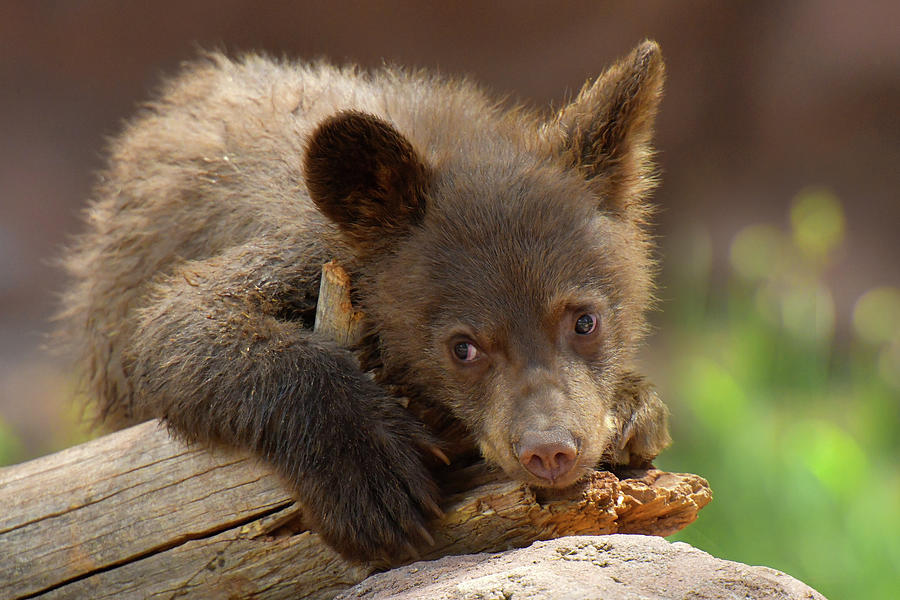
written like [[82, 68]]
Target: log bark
[[140, 514]]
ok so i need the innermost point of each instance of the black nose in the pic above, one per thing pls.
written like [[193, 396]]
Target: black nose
[[548, 454]]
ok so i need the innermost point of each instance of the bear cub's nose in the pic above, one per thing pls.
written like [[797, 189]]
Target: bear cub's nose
[[548, 454]]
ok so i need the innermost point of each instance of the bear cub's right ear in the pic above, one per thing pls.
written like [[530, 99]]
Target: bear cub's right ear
[[367, 178]]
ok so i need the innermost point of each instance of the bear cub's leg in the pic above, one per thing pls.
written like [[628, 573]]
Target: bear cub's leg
[[213, 357]]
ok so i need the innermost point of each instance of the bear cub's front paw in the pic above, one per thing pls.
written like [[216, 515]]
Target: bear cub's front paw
[[373, 503], [641, 422]]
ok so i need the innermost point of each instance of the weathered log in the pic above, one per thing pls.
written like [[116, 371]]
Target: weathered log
[[140, 514]]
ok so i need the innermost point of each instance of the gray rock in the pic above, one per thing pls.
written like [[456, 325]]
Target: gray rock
[[611, 567]]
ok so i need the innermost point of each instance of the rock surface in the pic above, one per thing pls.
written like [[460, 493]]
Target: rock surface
[[612, 567]]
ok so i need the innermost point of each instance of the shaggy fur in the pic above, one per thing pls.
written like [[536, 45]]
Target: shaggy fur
[[462, 225]]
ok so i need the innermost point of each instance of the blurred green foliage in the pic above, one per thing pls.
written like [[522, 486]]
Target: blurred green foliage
[[793, 418], [11, 450]]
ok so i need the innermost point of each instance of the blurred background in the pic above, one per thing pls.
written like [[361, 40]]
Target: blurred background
[[777, 343]]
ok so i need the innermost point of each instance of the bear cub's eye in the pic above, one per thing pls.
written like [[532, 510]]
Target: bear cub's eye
[[585, 324], [465, 351]]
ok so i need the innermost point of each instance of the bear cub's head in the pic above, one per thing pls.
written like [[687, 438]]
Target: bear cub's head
[[506, 267]]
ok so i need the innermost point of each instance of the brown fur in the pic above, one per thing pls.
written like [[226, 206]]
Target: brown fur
[[194, 286]]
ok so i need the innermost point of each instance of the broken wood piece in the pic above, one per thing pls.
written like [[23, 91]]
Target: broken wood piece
[[335, 315]]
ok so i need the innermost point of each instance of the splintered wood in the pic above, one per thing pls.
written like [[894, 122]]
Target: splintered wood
[[140, 514], [335, 315]]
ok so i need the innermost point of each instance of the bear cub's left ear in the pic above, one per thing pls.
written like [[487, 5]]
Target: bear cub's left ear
[[367, 178], [605, 132]]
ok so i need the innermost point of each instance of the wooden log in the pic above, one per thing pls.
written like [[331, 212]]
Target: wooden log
[[139, 514]]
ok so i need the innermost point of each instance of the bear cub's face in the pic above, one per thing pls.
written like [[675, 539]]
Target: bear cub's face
[[524, 334], [509, 285], [516, 314]]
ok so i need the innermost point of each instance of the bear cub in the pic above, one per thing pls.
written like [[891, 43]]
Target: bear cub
[[501, 257]]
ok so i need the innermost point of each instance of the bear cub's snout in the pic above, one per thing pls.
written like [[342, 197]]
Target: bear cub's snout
[[549, 454]]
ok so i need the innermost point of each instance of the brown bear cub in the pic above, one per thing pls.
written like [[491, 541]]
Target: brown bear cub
[[501, 258]]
